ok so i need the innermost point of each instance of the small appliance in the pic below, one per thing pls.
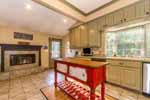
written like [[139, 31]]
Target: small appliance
[[87, 52]]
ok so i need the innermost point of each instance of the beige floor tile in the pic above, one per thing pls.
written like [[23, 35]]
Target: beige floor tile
[[18, 97], [32, 93], [4, 97], [140, 97], [28, 88], [128, 95], [15, 92], [37, 97]]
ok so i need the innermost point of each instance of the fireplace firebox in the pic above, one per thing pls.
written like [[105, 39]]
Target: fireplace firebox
[[21, 59]]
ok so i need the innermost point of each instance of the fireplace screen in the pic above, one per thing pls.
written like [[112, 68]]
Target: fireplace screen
[[21, 59]]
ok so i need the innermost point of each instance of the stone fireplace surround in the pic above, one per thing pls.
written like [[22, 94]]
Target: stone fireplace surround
[[7, 65], [19, 70]]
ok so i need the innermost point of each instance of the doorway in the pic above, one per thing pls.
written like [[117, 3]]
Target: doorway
[[55, 50]]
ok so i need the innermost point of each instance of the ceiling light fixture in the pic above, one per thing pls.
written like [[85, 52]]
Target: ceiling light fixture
[[65, 20], [28, 6]]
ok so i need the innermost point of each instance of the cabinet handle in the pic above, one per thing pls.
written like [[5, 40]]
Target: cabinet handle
[[125, 19]]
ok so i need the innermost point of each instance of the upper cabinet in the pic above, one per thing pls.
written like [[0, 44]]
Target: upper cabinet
[[109, 20], [147, 7], [93, 34], [89, 34], [84, 36], [129, 13], [77, 37], [72, 39], [118, 17], [101, 22], [142, 8]]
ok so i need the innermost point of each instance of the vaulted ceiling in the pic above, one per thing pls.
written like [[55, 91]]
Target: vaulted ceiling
[[54, 16], [31, 15]]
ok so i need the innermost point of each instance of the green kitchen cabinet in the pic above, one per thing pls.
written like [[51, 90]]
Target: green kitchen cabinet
[[72, 38], [84, 36], [101, 23], [118, 17], [142, 8], [94, 38], [77, 37], [109, 20], [129, 13]]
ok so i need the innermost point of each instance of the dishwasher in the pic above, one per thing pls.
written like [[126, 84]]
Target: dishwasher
[[146, 79]]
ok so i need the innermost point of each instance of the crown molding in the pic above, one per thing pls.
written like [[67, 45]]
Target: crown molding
[[91, 12]]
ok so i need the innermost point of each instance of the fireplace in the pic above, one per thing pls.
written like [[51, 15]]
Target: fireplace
[[21, 59]]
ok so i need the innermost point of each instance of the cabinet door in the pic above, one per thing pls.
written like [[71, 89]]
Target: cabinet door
[[118, 17], [84, 36], [77, 37], [72, 39], [101, 23], [109, 20], [147, 7], [140, 9], [113, 74], [131, 78], [93, 34], [129, 13]]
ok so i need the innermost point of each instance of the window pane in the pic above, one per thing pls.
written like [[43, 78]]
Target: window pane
[[129, 42], [148, 40], [55, 49]]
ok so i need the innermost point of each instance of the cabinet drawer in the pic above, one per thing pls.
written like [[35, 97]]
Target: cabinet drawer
[[115, 62], [125, 63], [135, 64], [62, 67], [79, 73]]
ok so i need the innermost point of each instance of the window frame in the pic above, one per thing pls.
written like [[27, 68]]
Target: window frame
[[145, 40]]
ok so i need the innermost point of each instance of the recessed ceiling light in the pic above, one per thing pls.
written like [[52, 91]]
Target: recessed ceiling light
[[65, 20], [28, 6]]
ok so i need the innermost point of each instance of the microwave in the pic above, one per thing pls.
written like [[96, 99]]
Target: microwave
[[87, 52]]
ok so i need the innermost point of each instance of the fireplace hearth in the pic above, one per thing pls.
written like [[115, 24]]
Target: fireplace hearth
[[21, 59]]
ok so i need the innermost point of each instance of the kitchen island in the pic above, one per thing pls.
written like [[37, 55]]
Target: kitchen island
[[89, 73]]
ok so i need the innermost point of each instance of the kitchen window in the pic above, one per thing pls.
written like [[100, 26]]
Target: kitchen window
[[131, 42]]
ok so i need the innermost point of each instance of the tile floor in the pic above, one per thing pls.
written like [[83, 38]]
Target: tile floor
[[28, 88]]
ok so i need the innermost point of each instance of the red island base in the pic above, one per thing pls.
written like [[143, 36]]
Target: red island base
[[89, 73]]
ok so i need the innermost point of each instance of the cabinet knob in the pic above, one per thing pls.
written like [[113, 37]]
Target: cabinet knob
[[125, 19], [83, 75], [121, 63], [121, 21], [147, 13]]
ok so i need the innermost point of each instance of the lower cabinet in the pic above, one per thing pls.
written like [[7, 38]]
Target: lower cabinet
[[113, 74], [130, 77], [127, 76]]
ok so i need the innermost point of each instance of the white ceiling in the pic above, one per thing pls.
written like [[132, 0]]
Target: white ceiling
[[87, 6], [38, 18]]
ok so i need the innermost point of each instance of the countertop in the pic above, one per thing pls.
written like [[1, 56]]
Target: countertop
[[116, 58], [86, 63]]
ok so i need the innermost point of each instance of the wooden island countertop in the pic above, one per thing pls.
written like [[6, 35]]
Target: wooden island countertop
[[86, 63]]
